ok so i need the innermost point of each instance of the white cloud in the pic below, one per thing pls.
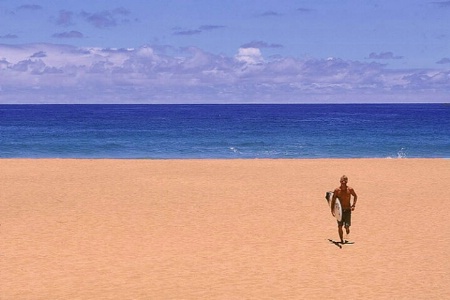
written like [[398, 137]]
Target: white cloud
[[60, 73], [250, 56]]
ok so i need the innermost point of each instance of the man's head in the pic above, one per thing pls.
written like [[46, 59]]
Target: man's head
[[344, 179]]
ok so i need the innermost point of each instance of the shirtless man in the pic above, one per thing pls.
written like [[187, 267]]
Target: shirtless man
[[344, 193]]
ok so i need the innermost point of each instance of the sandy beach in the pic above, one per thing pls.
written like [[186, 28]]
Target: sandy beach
[[222, 229]]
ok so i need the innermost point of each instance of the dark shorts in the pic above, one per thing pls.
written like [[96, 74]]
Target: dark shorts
[[346, 220]]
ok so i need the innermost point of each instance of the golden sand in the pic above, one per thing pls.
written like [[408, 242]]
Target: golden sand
[[222, 229]]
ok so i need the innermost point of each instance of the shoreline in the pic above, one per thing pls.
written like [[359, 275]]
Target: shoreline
[[221, 229], [223, 159]]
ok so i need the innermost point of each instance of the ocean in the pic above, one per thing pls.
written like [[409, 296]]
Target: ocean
[[232, 131]]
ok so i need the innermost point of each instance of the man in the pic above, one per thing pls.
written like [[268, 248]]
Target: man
[[344, 193]]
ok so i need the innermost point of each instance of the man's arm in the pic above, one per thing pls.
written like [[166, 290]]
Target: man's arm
[[355, 198]]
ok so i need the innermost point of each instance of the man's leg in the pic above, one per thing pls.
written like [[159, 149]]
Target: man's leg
[[347, 230], [341, 233], [346, 220]]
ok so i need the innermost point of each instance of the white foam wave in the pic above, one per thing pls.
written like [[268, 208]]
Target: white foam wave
[[401, 153], [235, 150]]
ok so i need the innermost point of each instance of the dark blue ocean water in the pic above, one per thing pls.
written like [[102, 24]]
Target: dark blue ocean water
[[225, 131]]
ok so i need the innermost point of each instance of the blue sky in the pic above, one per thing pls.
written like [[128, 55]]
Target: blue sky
[[198, 51]]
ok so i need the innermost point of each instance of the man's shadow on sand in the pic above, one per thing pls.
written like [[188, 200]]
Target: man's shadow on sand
[[339, 244]]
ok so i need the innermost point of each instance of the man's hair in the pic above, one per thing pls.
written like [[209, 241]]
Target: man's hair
[[344, 177]]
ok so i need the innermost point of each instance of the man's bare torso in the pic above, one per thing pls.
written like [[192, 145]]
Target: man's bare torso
[[344, 195]]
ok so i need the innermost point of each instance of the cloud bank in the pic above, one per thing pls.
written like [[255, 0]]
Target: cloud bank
[[50, 73], [199, 30], [384, 55]]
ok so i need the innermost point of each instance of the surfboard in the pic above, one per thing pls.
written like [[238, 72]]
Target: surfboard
[[337, 210]]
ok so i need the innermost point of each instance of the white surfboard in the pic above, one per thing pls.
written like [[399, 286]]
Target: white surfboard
[[337, 210]]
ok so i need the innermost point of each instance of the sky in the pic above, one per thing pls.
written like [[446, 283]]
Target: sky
[[230, 51]]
